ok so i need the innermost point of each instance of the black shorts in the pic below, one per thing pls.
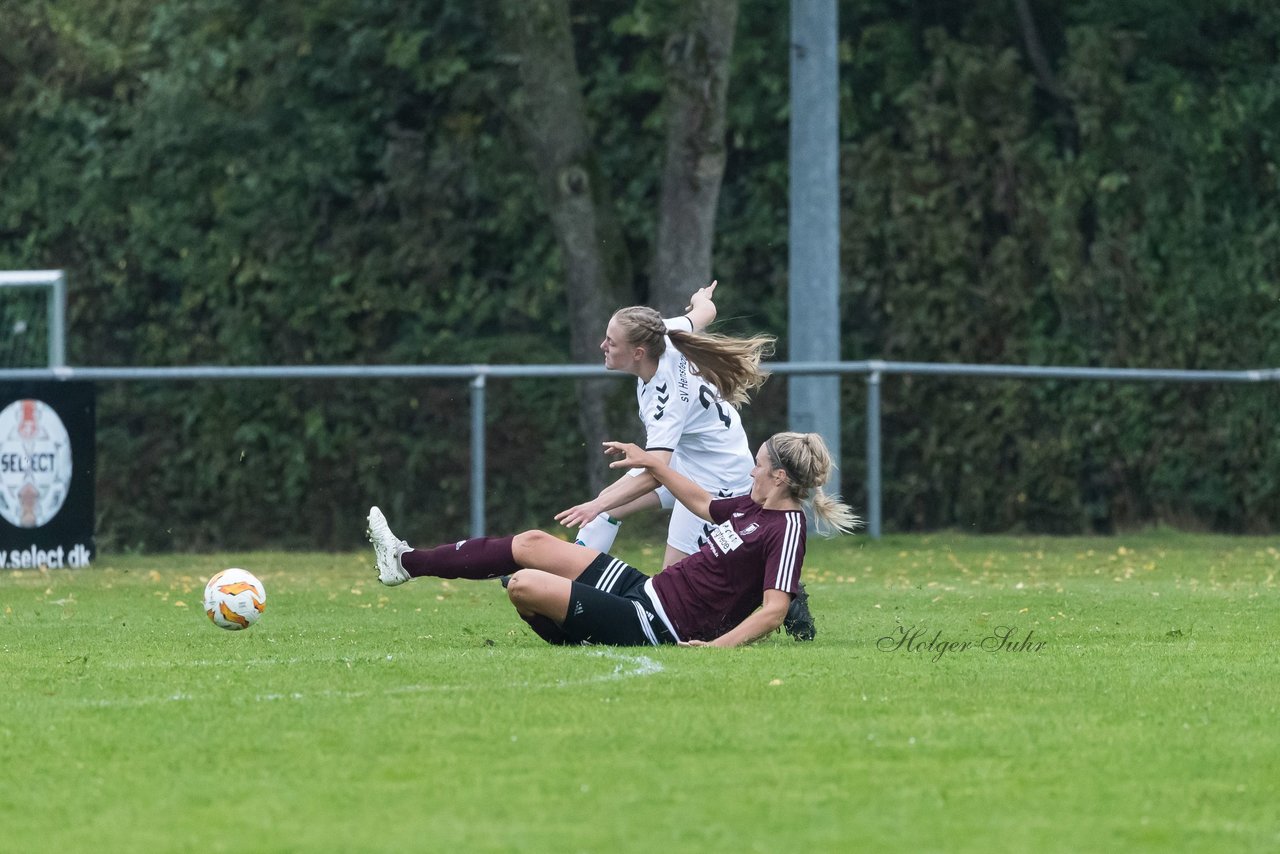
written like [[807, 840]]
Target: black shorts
[[608, 605]]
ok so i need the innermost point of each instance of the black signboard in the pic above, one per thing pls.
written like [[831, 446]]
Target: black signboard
[[46, 474]]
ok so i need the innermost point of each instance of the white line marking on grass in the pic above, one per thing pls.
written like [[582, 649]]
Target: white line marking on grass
[[640, 665], [625, 667]]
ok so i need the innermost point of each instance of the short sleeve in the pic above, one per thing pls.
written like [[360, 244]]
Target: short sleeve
[[785, 555], [683, 323]]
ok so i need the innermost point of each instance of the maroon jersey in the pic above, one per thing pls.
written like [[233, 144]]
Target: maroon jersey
[[751, 551]]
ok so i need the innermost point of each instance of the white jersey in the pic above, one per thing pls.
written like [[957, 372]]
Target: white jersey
[[684, 414]]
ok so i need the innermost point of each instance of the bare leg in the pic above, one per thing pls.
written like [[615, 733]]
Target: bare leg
[[535, 592], [540, 550], [543, 588]]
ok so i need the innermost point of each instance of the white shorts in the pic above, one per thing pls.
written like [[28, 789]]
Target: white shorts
[[686, 531]]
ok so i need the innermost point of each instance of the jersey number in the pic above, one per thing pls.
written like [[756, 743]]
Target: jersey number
[[707, 401]]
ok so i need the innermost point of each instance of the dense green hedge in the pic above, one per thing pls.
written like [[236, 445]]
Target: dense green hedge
[[338, 182], [1134, 226]]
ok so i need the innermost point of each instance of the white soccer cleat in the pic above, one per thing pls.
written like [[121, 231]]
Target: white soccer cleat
[[387, 549]]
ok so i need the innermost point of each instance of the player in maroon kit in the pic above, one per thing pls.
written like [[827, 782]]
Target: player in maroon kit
[[735, 589]]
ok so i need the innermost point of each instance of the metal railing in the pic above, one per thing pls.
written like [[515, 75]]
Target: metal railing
[[875, 369], [478, 376]]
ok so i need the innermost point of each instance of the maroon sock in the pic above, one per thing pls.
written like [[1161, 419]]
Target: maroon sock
[[477, 559]]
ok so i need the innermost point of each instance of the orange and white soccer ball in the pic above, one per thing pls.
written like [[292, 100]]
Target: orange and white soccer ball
[[234, 599]]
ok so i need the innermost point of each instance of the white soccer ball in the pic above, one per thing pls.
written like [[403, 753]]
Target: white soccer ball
[[234, 599]]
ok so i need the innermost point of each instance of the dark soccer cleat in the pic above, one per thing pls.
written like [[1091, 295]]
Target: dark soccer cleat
[[799, 620]]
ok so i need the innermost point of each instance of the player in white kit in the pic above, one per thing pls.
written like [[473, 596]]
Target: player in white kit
[[687, 421], [688, 387]]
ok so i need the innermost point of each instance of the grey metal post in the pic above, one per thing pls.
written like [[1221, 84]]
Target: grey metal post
[[477, 455], [873, 454], [58, 322], [813, 402]]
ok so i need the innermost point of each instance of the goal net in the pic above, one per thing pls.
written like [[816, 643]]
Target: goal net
[[31, 314]]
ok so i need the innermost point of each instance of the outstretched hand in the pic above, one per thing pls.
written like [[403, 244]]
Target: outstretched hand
[[579, 515], [633, 456]]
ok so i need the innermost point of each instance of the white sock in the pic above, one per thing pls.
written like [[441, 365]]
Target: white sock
[[599, 533]]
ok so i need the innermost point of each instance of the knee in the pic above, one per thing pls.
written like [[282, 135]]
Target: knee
[[521, 588], [522, 545]]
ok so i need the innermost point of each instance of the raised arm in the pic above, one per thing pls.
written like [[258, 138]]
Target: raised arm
[[688, 493], [701, 310]]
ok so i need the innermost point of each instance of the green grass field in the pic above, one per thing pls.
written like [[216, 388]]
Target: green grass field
[[1133, 707]]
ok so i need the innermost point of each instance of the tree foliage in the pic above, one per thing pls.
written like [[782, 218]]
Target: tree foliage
[[1135, 228], [342, 181]]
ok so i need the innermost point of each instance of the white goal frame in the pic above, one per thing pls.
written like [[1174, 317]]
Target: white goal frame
[[56, 282]]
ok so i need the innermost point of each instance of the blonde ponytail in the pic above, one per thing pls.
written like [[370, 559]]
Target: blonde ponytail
[[730, 365], [808, 465]]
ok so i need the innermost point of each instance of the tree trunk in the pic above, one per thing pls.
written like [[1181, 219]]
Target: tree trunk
[[697, 55], [1036, 52], [553, 126]]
